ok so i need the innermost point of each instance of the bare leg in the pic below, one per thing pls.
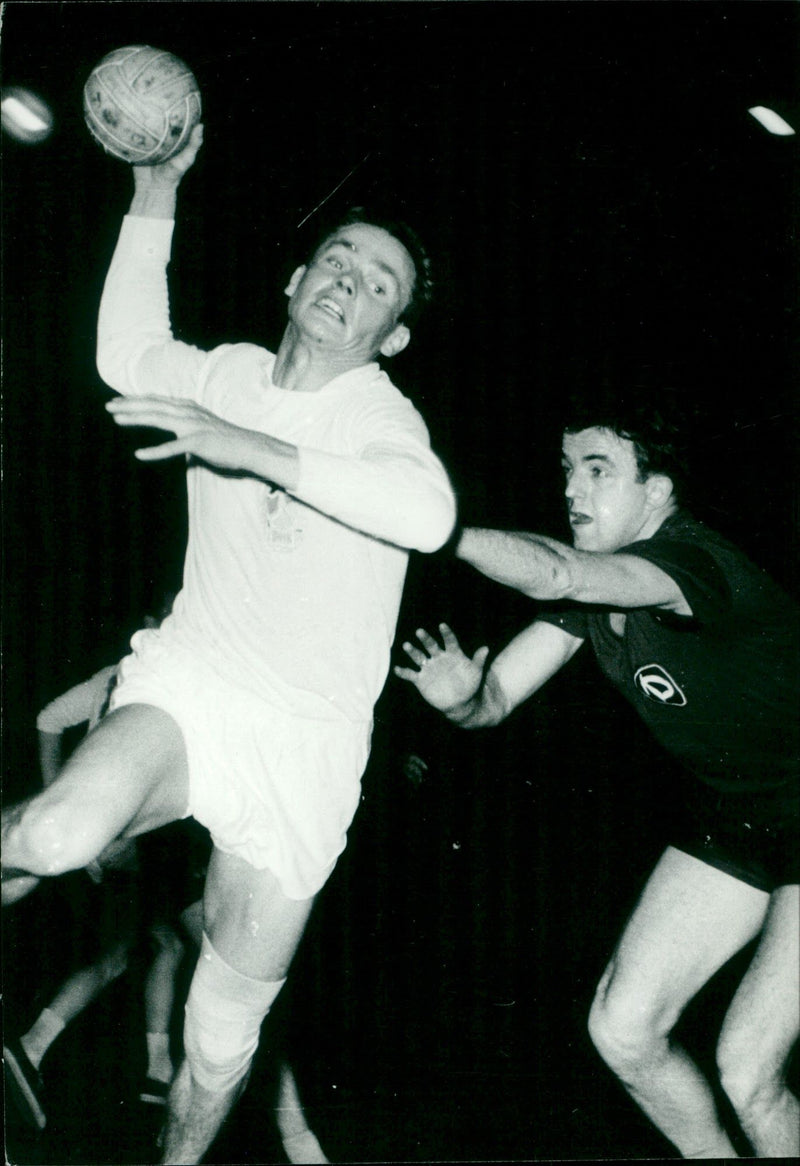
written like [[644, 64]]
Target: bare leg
[[760, 1031], [256, 930], [159, 1000], [16, 883], [73, 997], [195, 1117], [127, 776], [299, 1142], [193, 922], [690, 920], [16, 887]]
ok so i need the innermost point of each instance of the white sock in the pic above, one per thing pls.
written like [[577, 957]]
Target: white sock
[[44, 1030], [303, 1148], [159, 1062]]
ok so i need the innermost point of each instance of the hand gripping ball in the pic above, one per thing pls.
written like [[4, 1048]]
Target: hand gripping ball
[[141, 104]]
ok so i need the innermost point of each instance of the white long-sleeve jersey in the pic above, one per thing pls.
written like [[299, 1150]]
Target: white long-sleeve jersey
[[292, 597]]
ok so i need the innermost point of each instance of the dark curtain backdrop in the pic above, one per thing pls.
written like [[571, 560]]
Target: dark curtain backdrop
[[601, 209]]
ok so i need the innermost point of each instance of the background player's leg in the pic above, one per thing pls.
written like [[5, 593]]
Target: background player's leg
[[689, 921], [254, 931], [129, 775], [22, 1057], [760, 1031], [192, 922], [79, 991], [160, 987], [300, 1143]]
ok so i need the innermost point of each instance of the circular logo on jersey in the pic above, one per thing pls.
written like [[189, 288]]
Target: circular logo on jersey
[[657, 684]]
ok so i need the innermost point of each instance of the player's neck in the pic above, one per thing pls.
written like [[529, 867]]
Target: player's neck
[[302, 368]]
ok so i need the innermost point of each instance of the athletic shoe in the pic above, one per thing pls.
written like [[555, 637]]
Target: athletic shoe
[[24, 1083], [154, 1092]]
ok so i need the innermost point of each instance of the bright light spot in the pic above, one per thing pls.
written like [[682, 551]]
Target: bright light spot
[[771, 120], [25, 117]]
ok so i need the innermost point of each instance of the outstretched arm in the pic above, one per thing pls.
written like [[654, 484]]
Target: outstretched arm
[[546, 569], [397, 496], [473, 697]]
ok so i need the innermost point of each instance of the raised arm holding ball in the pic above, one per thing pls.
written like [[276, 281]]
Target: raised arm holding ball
[[310, 478]]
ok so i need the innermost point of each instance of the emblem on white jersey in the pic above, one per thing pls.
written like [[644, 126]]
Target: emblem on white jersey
[[657, 684], [279, 512]]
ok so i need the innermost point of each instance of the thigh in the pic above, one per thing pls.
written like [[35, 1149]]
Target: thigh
[[765, 1012], [128, 776], [690, 919], [249, 920]]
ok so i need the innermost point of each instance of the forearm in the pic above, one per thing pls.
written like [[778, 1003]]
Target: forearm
[[545, 569], [536, 566], [154, 202], [486, 708], [403, 500]]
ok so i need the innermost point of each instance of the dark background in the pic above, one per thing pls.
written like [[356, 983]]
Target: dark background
[[602, 210]]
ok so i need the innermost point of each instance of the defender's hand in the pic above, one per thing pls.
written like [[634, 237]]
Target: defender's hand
[[445, 676]]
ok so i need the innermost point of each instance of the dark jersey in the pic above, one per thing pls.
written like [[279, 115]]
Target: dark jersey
[[719, 689]]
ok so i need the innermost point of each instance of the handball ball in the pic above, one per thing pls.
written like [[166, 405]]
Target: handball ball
[[141, 104]]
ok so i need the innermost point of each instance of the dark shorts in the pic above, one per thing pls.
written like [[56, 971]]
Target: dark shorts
[[753, 838]]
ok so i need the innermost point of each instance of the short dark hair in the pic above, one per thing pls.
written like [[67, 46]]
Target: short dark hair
[[422, 289], [658, 435]]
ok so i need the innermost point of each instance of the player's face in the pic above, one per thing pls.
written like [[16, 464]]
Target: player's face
[[609, 506], [350, 296]]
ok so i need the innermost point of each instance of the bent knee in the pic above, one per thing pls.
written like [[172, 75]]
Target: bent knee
[[115, 962], [46, 840], [749, 1083], [625, 1029]]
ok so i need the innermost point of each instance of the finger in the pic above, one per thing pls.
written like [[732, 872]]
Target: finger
[[186, 157], [406, 673], [428, 642], [448, 638], [480, 657], [170, 406], [132, 402], [146, 421], [418, 657], [157, 453]]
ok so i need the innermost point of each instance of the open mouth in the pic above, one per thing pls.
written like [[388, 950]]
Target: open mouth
[[330, 306], [577, 519]]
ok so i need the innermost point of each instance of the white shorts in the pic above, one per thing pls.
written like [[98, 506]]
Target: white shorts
[[276, 790]]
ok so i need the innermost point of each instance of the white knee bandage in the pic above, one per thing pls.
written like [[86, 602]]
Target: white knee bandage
[[224, 1013]]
